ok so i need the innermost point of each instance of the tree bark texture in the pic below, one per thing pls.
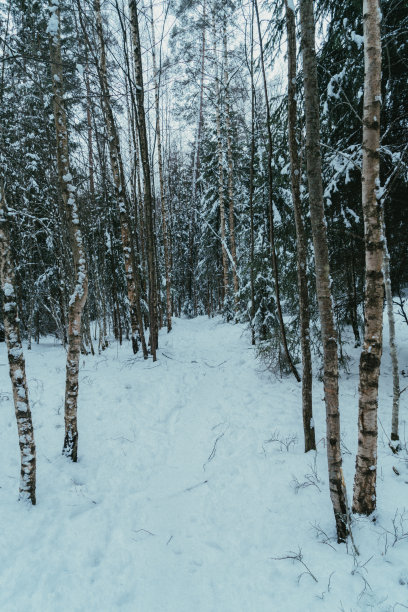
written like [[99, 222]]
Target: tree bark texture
[[364, 499], [323, 282], [301, 245], [80, 290], [16, 362]]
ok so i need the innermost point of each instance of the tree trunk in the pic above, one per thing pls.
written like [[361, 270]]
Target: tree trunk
[[164, 214], [220, 169], [251, 183], [80, 290], [301, 248], [271, 215], [393, 351], [131, 270], [16, 362], [89, 122], [364, 499], [196, 164], [144, 154], [353, 298], [323, 283], [230, 167]]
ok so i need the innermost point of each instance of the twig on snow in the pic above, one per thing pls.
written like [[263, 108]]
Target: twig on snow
[[297, 557]]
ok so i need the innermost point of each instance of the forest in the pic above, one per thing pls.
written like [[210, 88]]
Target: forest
[[204, 272]]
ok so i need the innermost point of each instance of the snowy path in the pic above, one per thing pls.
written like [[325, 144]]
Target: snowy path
[[178, 503]]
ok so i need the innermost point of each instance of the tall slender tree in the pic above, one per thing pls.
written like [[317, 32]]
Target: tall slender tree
[[163, 201], [270, 205], [220, 157], [147, 184], [192, 233], [364, 500], [116, 162], [323, 283], [230, 162], [16, 360], [251, 180], [301, 244], [67, 190]]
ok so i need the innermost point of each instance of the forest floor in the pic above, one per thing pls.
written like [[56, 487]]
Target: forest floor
[[192, 492]]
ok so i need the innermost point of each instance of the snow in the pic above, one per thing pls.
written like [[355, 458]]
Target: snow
[[8, 289], [359, 40], [192, 491], [52, 27]]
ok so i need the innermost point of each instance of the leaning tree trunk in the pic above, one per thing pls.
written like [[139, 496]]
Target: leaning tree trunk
[[16, 362], [270, 204], [364, 499], [144, 155], [67, 190], [323, 284], [301, 248]]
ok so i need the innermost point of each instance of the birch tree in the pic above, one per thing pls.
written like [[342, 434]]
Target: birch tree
[[67, 191], [364, 499], [323, 283], [16, 361]]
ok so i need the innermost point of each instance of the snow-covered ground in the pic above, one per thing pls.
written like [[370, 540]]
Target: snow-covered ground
[[191, 484]]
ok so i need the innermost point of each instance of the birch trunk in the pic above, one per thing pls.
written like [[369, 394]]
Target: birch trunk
[[323, 283], [164, 214], [67, 190], [364, 499], [16, 363], [144, 155], [301, 248]]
